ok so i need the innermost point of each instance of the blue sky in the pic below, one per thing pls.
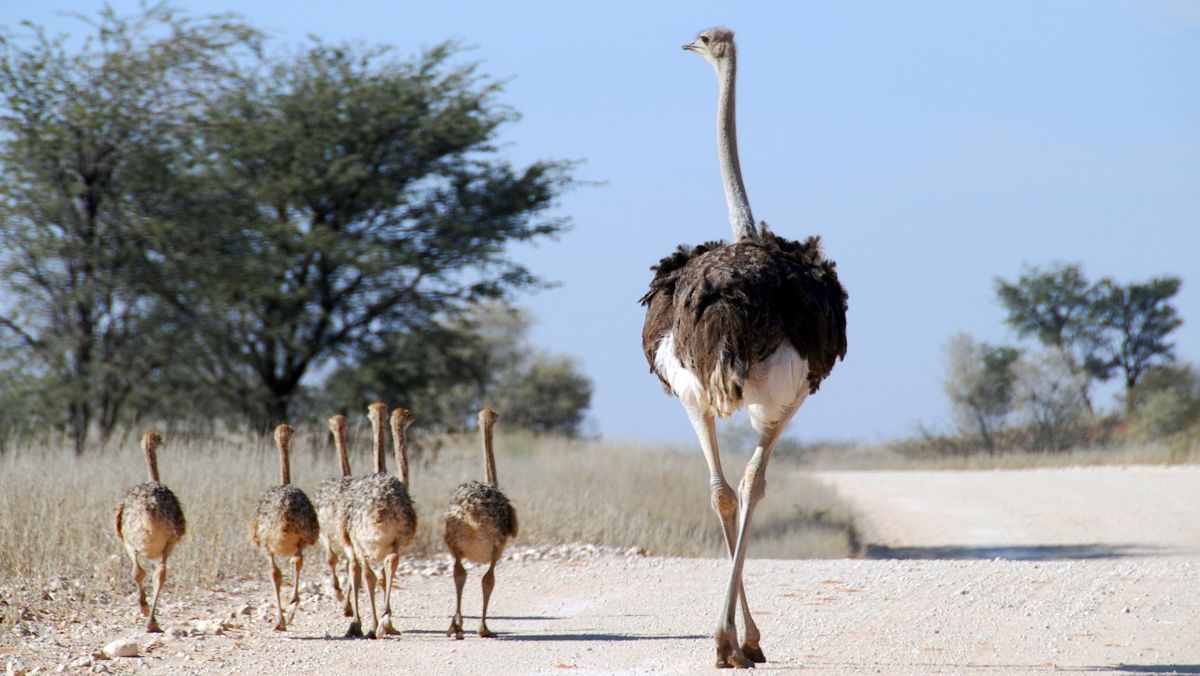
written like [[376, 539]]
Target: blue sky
[[934, 146]]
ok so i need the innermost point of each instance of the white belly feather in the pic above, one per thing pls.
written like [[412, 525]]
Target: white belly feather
[[770, 388]]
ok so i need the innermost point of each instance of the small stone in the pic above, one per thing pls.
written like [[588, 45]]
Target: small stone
[[15, 667], [245, 609], [201, 627], [176, 632], [82, 662], [1126, 609], [100, 668], [122, 647]]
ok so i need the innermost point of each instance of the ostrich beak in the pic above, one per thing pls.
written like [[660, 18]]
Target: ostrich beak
[[689, 47]]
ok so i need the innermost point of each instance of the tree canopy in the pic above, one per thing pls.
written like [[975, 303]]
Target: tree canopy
[[187, 222], [81, 132], [373, 201], [1098, 329]]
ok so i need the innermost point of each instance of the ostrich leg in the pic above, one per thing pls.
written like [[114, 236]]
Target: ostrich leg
[[160, 575], [297, 564], [489, 583], [725, 504], [138, 575], [356, 582], [460, 578], [276, 579], [390, 563], [751, 489]]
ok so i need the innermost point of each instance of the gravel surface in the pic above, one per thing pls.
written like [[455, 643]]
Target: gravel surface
[[1027, 514], [1085, 595]]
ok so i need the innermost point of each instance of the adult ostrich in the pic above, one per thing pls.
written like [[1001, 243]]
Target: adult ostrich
[[755, 323]]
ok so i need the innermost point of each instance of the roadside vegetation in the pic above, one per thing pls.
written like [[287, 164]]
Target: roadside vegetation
[[58, 511]]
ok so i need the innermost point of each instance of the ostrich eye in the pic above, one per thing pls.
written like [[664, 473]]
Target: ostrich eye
[[704, 39]]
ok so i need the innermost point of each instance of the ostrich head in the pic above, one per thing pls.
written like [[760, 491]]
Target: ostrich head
[[151, 441], [337, 424], [488, 417], [283, 434], [377, 412], [401, 418], [714, 44]]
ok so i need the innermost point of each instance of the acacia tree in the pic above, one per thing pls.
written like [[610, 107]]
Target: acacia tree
[[80, 132], [1096, 329], [1054, 306], [1138, 318], [372, 200]]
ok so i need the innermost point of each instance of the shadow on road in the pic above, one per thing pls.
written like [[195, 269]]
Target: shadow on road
[[1142, 668], [1017, 553], [584, 636]]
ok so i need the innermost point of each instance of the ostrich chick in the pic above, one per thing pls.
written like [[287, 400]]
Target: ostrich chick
[[332, 496], [284, 524], [149, 523], [479, 522], [380, 522]]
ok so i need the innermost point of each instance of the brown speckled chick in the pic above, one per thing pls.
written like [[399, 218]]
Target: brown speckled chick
[[149, 523], [332, 497], [479, 522], [284, 524], [380, 522]]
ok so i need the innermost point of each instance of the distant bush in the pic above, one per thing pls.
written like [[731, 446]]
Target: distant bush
[[1167, 403]]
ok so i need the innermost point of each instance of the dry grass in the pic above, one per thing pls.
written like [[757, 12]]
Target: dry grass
[[56, 511], [1180, 449]]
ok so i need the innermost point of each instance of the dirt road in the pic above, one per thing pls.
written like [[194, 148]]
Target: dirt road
[[1108, 580], [1074, 513]]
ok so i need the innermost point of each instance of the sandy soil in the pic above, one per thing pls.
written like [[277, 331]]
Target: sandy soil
[[1103, 576]]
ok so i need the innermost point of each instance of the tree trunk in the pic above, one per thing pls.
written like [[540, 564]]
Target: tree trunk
[[78, 418], [277, 409], [1130, 399]]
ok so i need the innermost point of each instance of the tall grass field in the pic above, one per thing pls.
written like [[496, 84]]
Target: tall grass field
[[57, 510]]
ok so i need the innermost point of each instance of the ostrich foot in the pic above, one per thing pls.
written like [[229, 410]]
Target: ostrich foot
[[729, 656], [355, 630], [385, 628], [281, 625], [152, 627], [753, 652], [455, 631], [484, 632]]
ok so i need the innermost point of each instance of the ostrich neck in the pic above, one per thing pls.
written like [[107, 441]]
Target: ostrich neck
[[343, 456], [401, 454], [489, 458], [285, 467], [380, 460], [152, 463], [740, 216]]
